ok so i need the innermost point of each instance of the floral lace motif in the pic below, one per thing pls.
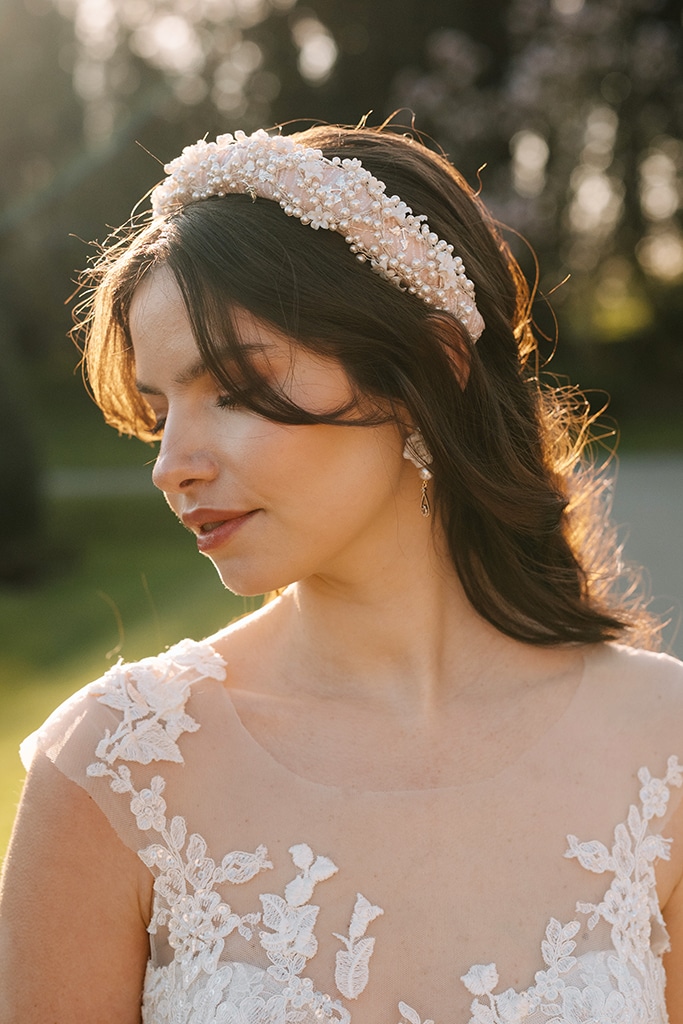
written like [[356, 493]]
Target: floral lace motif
[[351, 972], [151, 697], [622, 985], [619, 986]]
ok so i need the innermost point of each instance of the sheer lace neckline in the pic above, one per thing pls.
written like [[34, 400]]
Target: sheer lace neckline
[[261, 751], [618, 983], [235, 934]]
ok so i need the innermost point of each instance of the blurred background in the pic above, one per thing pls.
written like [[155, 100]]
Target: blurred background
[[575, 107]]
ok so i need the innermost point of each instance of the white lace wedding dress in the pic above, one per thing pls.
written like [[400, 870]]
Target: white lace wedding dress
[[278, 899]]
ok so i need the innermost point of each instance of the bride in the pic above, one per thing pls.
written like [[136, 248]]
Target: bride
[[435, 778]]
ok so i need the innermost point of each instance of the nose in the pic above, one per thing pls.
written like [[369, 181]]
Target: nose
[[182, 462]]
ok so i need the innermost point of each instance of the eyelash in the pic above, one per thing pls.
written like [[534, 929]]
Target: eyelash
[[227, 402], [223, 402]]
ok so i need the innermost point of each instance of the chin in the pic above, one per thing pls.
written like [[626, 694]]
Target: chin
[[251, 584]]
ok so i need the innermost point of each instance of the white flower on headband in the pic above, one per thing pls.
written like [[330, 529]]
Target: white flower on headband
[[336, 195]]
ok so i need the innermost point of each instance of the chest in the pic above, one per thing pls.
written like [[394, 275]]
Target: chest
[[528, 895], [383, 899]]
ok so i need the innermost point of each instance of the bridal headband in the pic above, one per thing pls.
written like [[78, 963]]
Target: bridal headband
[[336, 195]]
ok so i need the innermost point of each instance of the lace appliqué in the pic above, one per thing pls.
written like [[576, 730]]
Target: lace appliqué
[[615, 986], [196, 987], [619, 985], [352, 970], [409, 1014], [151, 696]]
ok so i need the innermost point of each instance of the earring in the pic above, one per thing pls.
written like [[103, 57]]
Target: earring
[[417, 452]]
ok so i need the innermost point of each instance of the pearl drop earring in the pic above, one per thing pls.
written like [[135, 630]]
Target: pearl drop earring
[[417, 452]]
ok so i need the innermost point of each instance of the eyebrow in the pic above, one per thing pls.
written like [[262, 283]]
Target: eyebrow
[[195, 371]]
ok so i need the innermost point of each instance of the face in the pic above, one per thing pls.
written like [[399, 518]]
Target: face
[[269, 503]]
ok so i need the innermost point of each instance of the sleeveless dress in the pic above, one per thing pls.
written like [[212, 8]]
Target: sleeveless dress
[[280, 900]]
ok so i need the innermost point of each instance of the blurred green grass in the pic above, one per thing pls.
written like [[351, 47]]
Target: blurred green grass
[[127, 582]]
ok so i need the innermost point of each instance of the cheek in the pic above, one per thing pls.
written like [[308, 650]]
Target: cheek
[[331, 471]]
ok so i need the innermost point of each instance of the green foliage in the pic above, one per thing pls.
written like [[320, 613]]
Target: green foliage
[[133, 585]]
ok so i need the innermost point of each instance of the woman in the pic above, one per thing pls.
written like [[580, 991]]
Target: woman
[[422, 783]]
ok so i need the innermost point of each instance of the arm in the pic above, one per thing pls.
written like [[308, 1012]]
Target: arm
[[673, 916], [673, 961], [73, 904]]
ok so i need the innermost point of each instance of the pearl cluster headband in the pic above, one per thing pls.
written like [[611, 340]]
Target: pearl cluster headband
[[336, 195]]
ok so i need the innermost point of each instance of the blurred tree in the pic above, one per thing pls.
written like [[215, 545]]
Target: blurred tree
[[40, 129], [581, 127], [22, 547], [39, 122]]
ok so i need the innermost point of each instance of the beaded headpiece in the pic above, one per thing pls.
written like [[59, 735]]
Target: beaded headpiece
[[336, 195]]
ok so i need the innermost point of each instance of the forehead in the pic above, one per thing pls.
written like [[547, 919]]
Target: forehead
[[160, 327], [157, 307], [158, 324], [166, 352]]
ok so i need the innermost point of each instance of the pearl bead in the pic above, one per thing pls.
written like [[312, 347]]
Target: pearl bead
[[335, 195]]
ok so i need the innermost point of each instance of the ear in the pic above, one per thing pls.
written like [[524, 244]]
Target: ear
[[455, 343]]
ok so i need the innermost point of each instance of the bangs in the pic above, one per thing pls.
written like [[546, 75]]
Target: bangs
[[238, 273], [230, 344]]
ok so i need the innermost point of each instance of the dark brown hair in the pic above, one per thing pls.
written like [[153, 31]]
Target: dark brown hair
[[524, 521]]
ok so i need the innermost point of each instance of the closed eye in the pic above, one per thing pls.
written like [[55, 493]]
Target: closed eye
[[158, 428], [222, 401], [227, 402]]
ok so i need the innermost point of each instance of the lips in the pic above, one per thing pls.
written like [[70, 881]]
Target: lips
[[208, 527], [214, 527]]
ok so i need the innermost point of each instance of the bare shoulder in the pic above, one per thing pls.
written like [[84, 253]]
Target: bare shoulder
[[251, 645], [634, 661], [644, 687], [626, 715]]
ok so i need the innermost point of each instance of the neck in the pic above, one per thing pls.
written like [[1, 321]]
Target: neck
[[404, 631], [391, 626]]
